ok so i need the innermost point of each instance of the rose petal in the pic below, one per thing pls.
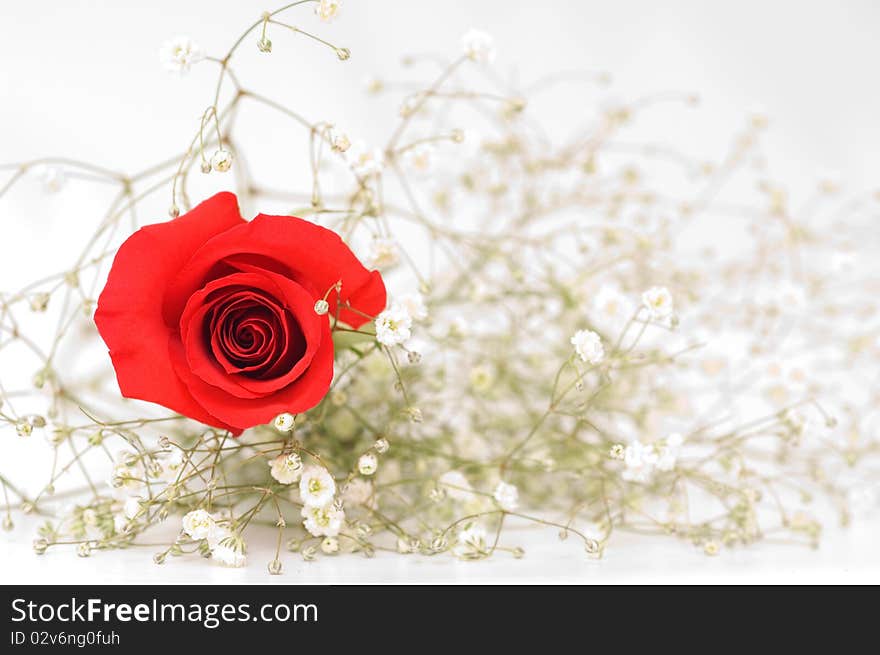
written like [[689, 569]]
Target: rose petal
[[129, 314], [196, 355], [295, 248], [304, 393]]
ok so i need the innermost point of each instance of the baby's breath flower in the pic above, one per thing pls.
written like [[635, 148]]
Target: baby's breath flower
[[367, 464], [339, 140], [588, 346], [221, 161], [415, 305], [507, 496], [316, 486], [418, 158], [228, 548], [198, 524], [456, 485], [393, 326], [383, 253], [365, 162], [658, 301], [481, 378], [286, 468], [90, 517], [284, 422], [640, 460], [327, 10], [131, 507], [179, 54], [323, 520], [611, 307], [471, 543], [414, 350], [357, 492], [478, 46]]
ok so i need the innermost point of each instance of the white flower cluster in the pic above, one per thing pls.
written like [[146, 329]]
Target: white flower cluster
[[383, 253], [611, 308], [327, 10], [286, 468], [588, 346], [642, 461], [478, 46], [471, 543], [419, 157], [226, 547], [394, 325], [658, 302], [507, 496], [364, 161], [322, 515], [179, 54]]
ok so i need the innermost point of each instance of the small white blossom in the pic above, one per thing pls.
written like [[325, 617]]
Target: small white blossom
[[316, 487], [198, 524], [128, 474], [658, 301], [284, 422], [481, 378], [588, 346], [119, 523], [357, 492], [507, 496], [221, 161], [611, 306], [415, 305], [393, 326], [339, 140], [383, 253], [179, 54], [644, 460], [330, 545], [419, 157], [327, 10], [324, 520], [132, 507], [471, 543], [367, 464], [639, 460], [365, 162], [90, 517], [286, 468], [227, 547], [478, 46], [171, 464], [415, 350], [456, 485]]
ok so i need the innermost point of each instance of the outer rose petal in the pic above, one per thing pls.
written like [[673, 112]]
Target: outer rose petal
[[313, 255], [129, 313]]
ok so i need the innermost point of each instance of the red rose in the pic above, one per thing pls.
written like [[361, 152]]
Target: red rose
[[214, 317]]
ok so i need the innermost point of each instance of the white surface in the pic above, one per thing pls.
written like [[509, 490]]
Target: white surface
[[82, 79], [845, 557]]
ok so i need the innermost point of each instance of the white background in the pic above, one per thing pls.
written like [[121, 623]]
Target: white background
[[82, 79]]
